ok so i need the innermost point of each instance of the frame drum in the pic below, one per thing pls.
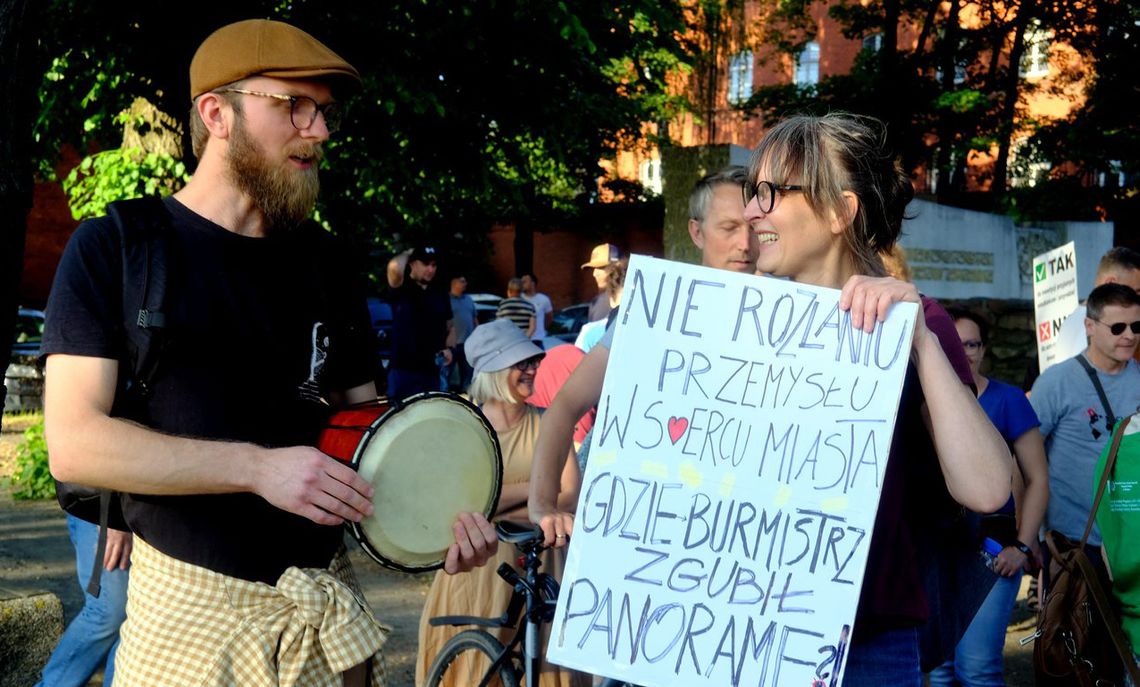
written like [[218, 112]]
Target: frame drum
[[430, 457]]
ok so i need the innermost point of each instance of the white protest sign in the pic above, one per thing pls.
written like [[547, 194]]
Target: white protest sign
[[1054, 297], [734, 474]]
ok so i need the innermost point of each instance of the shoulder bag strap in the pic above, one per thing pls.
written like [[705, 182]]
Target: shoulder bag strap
[[1117, 435], [1099, 389]]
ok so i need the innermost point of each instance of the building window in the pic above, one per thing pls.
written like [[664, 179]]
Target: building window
[[873, 43], [807, 65], [740, 77], [649, 173], [1035, 59]]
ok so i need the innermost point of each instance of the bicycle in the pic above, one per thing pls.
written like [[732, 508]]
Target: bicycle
[[533, 602]]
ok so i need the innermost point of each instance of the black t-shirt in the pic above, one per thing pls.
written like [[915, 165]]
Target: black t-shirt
[[419, 325], [257, 328]]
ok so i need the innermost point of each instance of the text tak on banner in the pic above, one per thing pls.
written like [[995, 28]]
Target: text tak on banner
[[737, 461]]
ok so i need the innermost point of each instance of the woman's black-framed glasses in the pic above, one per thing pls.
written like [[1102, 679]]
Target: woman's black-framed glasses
[[765, 193], [302, 109], [528, 364], [1117, 328]]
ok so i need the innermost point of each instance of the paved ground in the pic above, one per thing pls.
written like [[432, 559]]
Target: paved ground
[[35, 554]]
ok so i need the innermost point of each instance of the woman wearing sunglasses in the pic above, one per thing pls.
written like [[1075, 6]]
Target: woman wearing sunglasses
[[505, 362]]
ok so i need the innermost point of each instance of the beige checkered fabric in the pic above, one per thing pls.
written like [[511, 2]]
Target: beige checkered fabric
[[189, 626]]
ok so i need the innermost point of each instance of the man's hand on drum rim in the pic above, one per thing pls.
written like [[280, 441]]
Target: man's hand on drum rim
[[557, 526], [306, 482], [475, 543]]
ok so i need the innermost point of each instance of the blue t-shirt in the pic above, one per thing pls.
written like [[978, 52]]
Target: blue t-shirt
[[1075, 427], [1008, 409], [1010, 412], [462, 317]]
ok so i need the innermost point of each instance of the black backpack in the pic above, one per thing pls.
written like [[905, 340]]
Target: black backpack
[[142, 225]]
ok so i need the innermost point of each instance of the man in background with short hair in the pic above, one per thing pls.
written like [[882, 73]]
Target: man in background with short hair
[[464, 319], [516, 308], [1075, 420], [543, 308], [1120, 265]]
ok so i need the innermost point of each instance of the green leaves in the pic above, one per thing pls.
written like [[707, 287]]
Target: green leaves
[[120, 174], [31, 475]]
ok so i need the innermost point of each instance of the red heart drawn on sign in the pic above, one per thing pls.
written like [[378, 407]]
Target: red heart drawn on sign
[[677, 427]]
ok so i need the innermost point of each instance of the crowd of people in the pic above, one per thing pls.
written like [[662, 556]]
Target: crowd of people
[[235, 517]]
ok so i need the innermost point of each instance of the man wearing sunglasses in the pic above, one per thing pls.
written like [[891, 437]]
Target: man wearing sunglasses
[[1120, 265], [238, 572], [1078, 401]]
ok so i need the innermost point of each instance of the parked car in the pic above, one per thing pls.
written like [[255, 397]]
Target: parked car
[[568, 321], [23, 376], [486, 306]]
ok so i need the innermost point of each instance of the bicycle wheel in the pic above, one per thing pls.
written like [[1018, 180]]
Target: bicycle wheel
[[465, 659]]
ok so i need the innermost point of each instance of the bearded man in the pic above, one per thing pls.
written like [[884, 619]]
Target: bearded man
[[238, 570]]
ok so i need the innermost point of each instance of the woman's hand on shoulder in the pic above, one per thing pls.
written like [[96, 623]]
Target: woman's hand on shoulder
[[868, 299]]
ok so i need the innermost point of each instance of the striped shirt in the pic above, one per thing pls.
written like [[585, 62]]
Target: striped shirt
[[517, 310]]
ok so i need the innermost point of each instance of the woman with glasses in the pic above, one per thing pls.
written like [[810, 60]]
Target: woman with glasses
[[826, 199], [505, 362], [977, 660]]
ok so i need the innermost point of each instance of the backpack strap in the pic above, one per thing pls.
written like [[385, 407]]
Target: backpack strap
[[1099, 389], [142, 225]]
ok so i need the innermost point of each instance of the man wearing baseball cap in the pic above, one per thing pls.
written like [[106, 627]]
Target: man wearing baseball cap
[[238, 570], [423, 331]]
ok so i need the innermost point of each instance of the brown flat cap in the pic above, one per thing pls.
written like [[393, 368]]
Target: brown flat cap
[[262, 47]]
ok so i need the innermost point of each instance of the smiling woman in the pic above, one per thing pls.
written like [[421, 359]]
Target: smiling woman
[[826, 198], [505, 362]]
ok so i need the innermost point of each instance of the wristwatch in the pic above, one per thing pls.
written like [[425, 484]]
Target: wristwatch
[[1024, 548]]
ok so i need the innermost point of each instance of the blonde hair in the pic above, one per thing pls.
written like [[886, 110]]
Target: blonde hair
[[491, 386], [834, 154], [199, 134]]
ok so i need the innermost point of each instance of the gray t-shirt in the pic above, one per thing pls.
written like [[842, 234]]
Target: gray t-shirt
[[462, 316], [1075, 427]]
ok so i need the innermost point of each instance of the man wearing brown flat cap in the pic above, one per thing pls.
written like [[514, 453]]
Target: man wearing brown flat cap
[[238, 570]]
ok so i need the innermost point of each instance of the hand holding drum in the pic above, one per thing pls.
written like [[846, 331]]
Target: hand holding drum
[[435, 470]]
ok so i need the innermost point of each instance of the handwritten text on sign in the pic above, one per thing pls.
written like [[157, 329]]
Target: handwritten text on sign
[[736, 465]]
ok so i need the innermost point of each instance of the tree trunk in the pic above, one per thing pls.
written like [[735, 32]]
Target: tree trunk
[[17, 79], [1009, 103], [524, 248], [948, 126]]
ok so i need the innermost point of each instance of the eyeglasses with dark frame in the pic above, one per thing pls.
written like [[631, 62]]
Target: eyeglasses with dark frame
[[302, 109], [1117, 328], [528, 364], [765, 193]]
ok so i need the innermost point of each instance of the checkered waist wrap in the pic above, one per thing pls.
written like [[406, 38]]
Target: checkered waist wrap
[[187, 625]]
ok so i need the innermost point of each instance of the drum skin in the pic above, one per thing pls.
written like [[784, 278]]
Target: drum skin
[[429, 458]]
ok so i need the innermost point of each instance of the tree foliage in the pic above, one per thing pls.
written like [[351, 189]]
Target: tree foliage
[[469, 113], [952, 87]]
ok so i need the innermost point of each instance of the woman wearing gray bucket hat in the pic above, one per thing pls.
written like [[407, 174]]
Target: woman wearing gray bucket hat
[[505, 362]]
